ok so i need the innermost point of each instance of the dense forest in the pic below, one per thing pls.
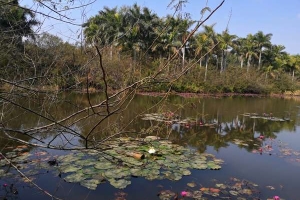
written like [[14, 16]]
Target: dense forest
[[136, 43]]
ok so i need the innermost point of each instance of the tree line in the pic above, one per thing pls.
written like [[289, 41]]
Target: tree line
[[135, 42]]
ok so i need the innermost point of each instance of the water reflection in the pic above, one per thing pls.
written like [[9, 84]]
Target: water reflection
[[209, 121]]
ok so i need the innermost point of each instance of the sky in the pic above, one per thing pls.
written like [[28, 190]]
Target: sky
[[279, 17]]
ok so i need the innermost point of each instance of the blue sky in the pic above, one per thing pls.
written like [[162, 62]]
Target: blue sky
[[279, 17]]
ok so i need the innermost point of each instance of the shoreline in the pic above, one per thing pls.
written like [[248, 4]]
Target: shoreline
[[217, 95]]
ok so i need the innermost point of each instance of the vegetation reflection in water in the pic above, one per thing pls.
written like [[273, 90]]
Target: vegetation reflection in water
[[257, 135]]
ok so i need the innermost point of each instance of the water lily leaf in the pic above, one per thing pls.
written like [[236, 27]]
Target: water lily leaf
[[151, 138], [185, 172], [192, 184], [212, 165], [151, 177], [234, 193], [201, 166], [166, 194], [218, 161], [90, 184], [75, 177], [196, 194], [136, 172], [11, 154], [117, 173], [221, 186], [132, 161], [3, 163], [99, 177], [32, 172], [103, 165], [89, 171], [68, 158], [86, 162], [120, 184], [184, 165], [69, 168], [21, 159], [214, 190], [22, 166], [203, 189], [247, 191], [2, 172], [170, 164]]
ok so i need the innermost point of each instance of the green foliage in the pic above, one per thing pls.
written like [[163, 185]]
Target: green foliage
[[135, 43]]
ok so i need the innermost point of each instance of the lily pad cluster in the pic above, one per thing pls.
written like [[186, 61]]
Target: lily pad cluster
[[232, 189], [278, 148], [170, 117], [30, 164], [265, 116], [118, 164], [121, 160]]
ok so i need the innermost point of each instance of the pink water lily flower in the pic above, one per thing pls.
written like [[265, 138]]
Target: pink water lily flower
[[5, 185], [183, 193], [276, 198]]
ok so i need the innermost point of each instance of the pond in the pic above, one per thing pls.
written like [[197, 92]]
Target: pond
[[247, 147]]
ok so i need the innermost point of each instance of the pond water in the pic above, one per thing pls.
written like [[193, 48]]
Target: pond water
[[256, 137]]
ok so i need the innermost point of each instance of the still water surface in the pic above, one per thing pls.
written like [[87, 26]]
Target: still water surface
[[272, 162]]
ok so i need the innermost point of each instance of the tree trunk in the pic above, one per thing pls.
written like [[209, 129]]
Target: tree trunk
[[259, 59], [200, 62], [222, 61], [242, 62], [225, 61], [134, 57], [248, 63], [293, 75], [183, 57], [111, 52], [206, 65]]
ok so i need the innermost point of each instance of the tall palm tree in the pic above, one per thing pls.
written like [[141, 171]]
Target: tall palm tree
[[250, 45], [262, 41], [239, 50], [293, 64], [226, 43], [209, 38]]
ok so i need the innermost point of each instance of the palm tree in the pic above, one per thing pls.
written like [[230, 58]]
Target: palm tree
[[250, 45], [226, 43], [272, 56], [209, 38], [200, 40], [239, 50], [293, 64], [262, 41]]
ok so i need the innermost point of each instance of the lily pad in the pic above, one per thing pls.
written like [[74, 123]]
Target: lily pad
[[166, 195], [70, 168], [103, 165], [234, 193], [192, 184], [90, 184], [75, 177], [120, 184]]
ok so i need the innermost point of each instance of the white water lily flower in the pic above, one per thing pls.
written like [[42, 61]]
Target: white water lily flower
[[152, 150]]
